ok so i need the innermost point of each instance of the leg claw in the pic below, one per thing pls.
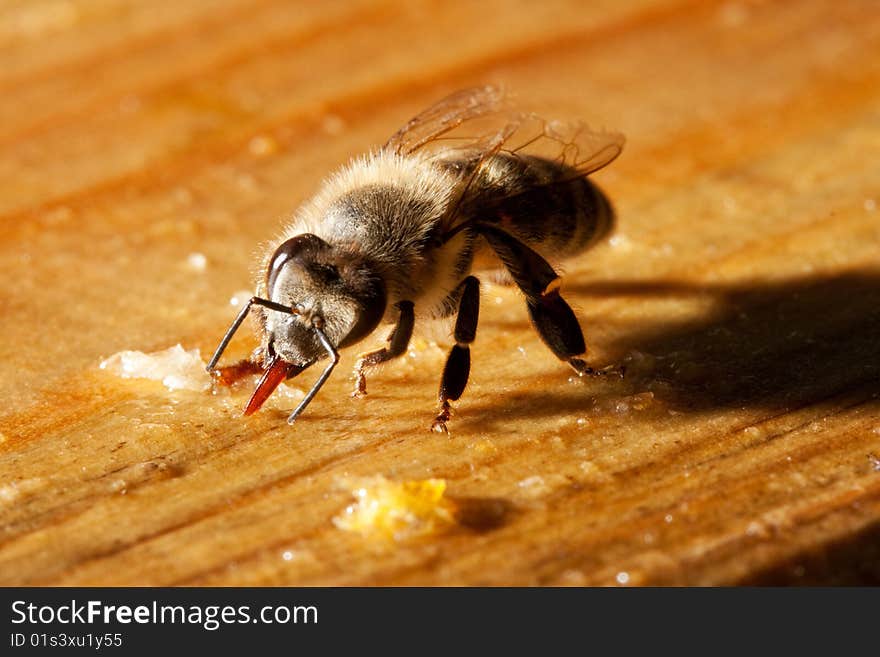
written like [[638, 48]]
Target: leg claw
[[439, 423], [583, 369]]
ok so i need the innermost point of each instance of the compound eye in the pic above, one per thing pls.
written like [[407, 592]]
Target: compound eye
[[371, 297], [293, 249]]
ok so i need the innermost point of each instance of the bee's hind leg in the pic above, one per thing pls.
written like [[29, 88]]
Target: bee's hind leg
[[458, 363], [557, 325], [551, 316], [398, 342]]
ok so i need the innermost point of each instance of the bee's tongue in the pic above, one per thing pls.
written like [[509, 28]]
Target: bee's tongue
[[275, 373]]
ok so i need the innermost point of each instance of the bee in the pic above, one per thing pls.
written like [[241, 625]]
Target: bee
[[397, 235]]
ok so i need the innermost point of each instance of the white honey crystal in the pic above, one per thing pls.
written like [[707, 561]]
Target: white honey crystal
[[176, 368]]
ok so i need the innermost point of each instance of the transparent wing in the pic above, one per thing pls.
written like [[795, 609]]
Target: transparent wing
[[571, 145], [445, 116], [473, 124]]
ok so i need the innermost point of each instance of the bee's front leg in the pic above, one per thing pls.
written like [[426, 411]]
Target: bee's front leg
[[398, 342], [458, 363], [231, 374]]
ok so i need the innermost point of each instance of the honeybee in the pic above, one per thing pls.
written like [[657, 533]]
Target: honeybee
[[396, 235]]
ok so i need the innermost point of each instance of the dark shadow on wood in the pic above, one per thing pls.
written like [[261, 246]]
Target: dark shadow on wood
[[772, 345], [482, 514], [853, 561]]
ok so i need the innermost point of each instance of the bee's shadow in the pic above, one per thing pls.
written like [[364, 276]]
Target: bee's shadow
[[773, 345]]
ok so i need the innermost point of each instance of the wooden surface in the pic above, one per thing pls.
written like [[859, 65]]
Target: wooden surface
[[742, 290]]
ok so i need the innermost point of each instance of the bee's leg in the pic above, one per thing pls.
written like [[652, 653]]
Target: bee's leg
[[551, 316], [230, 374], [398, 342], [458, 363]]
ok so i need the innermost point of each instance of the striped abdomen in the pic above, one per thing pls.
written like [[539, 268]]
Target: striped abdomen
[[548, 206]]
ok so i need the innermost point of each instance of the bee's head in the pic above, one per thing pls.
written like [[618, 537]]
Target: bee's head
[[328, 286]]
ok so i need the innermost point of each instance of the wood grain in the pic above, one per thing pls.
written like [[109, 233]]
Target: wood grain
[[741, 289]]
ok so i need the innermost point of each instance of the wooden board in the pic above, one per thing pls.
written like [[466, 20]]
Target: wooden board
[[741, 289]]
